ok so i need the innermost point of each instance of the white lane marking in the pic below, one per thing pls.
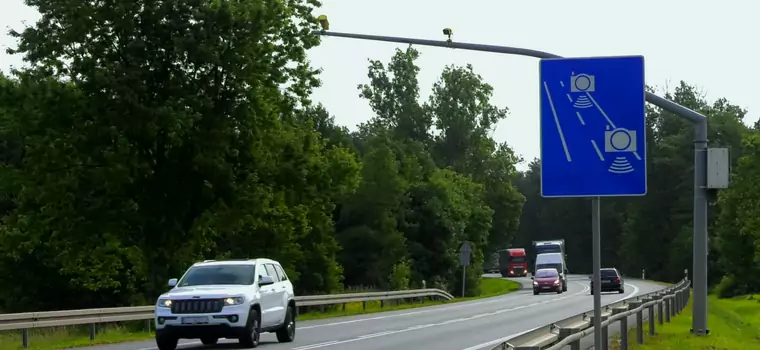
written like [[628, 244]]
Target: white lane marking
[[609, 121], [580, 118], [458, 320], [432, 309], [556, 121], [598, 152], [501, 340], [179, 346]]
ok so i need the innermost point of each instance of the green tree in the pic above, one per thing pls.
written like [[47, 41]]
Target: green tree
[[738, 226], [155, 134], [456, 182]]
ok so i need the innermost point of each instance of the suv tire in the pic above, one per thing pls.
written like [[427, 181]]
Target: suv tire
[[166, 342], [287, 333], [209, 341], [621, 291], [252, 333]]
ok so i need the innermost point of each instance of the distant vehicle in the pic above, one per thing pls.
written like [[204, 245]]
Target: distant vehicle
[[547, 280], [612, 281], [552, 246], [553, 261], [513, 262], [231, 299], [492, 265]]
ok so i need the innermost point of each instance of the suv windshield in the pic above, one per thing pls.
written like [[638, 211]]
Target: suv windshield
[[546, 273], [608, 273], [218, 274]]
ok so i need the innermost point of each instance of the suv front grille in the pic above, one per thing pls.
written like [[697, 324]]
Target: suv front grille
[[197, 306]]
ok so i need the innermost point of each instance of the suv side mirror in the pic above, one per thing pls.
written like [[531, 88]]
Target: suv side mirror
[[265, 280], [566, 271], [531, 277], [172, 283], [591, 277]]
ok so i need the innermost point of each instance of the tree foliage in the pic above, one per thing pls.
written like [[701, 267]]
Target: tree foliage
[[145, 136]]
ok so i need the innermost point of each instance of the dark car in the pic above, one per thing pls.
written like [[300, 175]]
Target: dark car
[[547, 280], [612, 281]]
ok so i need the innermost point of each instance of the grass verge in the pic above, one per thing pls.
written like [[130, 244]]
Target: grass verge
[[733, 323], [76, 336]]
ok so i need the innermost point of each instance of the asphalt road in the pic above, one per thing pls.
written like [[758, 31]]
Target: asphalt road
[[473, 325]]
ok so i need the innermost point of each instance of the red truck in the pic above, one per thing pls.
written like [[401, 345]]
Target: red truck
[[513, 262]]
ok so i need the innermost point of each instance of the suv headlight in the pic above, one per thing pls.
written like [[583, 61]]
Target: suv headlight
[[234, 301], [165, 303]]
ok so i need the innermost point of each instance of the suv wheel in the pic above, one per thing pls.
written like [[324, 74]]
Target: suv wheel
[[209, 341], [166, 342], [287, 333], [250, 338]]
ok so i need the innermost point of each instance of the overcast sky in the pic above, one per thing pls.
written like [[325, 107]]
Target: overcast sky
[[710, 44]]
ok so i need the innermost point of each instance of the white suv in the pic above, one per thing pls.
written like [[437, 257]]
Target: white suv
[[227, 299]]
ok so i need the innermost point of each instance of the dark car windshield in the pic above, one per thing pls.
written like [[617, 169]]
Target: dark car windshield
[[517, 259], [557, 267], [608, 273], [218, 274], [546, 273], [549, 248]]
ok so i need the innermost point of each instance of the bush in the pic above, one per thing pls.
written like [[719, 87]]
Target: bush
[[728, 287], [400, 275]]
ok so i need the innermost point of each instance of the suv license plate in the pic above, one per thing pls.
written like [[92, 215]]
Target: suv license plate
[[194, 320]]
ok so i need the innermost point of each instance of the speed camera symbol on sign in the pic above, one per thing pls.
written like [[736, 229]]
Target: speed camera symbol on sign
[[582, 83], [619, 140]]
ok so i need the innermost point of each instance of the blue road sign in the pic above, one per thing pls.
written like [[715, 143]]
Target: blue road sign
[[593, 133]]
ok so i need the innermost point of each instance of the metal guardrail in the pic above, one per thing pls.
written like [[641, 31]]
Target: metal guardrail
[[30, 320], [669, 302]]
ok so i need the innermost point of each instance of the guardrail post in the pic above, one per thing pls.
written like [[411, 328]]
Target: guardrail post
[[364, 305], [566, 332], [650, 308], [25, 338], [605, 337], [93, 330], [678, 300], [639, 321], [668, 307], [147, 325], [660, 311], [605, 334], [382, 303], [623, 327]]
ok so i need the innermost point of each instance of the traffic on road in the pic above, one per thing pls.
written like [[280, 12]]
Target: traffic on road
[[485, 322]]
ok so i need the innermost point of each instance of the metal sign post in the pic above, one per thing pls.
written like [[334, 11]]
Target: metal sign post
[[596, 243], [465, 251]]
